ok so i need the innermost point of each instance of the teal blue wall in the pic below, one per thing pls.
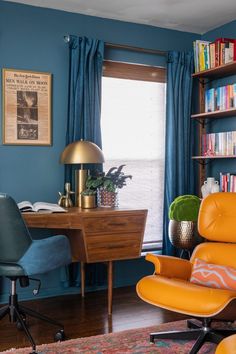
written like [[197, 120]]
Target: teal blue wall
[[228, 30], [31, 38], [226, 124]]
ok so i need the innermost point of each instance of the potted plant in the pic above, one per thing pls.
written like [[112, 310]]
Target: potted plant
[[107, 185], [89, 199], [183, 215]]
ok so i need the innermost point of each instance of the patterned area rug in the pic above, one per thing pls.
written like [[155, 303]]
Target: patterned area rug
[[130, 341]]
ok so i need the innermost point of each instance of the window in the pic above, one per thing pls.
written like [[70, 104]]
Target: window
[[133, 133]]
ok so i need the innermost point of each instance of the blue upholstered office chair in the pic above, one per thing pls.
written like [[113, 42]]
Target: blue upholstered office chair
[[22, 257]]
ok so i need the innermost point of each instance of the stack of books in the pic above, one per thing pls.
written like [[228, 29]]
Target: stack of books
[[227, 182], [219, 144], [208, 55], [220, 98]]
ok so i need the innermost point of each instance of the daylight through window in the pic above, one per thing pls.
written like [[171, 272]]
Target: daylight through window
[[133, 133]]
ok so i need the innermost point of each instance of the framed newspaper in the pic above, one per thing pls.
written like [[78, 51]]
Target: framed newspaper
[[26, 107]]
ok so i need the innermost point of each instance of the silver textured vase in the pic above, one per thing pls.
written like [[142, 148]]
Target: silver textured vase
[[107, 199], [184, 234]]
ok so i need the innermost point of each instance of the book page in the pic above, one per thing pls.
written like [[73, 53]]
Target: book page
[[54, 208], [25, 206]]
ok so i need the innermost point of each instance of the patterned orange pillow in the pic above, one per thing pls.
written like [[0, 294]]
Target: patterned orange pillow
[[213, 275]]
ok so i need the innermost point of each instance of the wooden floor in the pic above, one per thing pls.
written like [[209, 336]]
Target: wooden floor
[[85, 317]]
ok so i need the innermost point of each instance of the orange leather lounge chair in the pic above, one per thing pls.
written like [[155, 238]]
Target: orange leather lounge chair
[[227, 346], [170, 286]]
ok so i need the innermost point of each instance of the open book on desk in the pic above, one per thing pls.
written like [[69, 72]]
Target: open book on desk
[[26, 206]]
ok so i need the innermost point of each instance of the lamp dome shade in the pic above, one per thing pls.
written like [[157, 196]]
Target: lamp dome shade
[[82, 152]]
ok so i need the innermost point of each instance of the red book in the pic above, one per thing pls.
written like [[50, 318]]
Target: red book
[[218, 41]]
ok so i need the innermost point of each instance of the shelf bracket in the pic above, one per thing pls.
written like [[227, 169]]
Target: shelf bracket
[[201, 122], [203, 162], [204, 82], [204, 122]]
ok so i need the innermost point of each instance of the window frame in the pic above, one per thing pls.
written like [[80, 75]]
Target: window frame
[[141, 72], [130, 71]]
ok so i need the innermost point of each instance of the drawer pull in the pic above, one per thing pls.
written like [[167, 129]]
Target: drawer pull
[[113, 246], [117, 224]]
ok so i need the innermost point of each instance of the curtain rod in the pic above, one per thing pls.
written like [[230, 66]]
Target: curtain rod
[[127, 47]]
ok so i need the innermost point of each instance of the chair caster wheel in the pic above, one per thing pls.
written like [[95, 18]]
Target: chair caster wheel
[[59, 336], [152, 339], [19, 325]]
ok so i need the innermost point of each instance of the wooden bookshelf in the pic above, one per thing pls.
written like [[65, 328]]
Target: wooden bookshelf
[[216, 114], [217, 72], [204, 77]]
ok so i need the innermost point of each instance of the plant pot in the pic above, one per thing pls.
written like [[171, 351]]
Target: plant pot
[[106, 198], [184, 234], [88, 201]]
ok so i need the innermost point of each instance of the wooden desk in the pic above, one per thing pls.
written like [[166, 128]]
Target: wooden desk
[[97, 235]]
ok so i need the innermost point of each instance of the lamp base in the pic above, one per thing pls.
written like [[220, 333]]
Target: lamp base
[[80, 185]]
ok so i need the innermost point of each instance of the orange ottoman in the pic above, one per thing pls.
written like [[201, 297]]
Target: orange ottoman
[[227, 346]]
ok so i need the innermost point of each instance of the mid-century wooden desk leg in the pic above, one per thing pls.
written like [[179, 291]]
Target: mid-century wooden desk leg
[[82, 276], [110, 285], [109, 281]]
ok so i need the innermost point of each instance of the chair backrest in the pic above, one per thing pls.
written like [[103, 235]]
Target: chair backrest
[[217, 223], [14, 235], [217, 217]]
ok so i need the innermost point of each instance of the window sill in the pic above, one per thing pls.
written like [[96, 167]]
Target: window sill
[[154, 247]]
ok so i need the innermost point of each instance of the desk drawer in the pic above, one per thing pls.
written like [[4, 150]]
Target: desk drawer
[[113, 224], [113, 246]]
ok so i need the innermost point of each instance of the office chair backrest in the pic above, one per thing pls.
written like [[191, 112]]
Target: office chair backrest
[[14, 235], [217, 223]]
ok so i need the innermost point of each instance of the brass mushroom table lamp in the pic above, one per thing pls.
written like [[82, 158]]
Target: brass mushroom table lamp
[[81, 152]]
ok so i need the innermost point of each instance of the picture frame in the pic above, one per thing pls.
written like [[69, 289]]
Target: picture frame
[[26, 107]]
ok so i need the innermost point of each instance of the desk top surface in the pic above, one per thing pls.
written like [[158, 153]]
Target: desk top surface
[[74, 217]]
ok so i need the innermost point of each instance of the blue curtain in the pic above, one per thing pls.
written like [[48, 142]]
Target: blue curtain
[[179, 173], [83, 122], [84, 97]]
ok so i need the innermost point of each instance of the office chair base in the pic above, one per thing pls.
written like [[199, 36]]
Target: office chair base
[[17, 314], [201, 332]]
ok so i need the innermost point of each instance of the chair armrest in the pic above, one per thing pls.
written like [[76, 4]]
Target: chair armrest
[[171, 267]]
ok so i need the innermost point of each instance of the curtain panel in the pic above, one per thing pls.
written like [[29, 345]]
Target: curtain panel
[[83, 122], [84, 97], [179, 170]]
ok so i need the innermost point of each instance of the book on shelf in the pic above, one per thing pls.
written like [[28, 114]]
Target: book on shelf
[[212, 55], [210, 100], [220, 98], [227, 49], [219, 144], [234, 95], [26, 206], [227, 182], [201, 55], [208, 55]]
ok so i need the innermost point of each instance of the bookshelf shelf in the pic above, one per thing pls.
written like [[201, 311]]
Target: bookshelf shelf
[[214, 157], [217, 114], [219, 71]]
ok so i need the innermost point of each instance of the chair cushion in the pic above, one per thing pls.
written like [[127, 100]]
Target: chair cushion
[[216, 218], [227, 346], [11, 270], [213, 275], [182, 296], [45, 255]]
